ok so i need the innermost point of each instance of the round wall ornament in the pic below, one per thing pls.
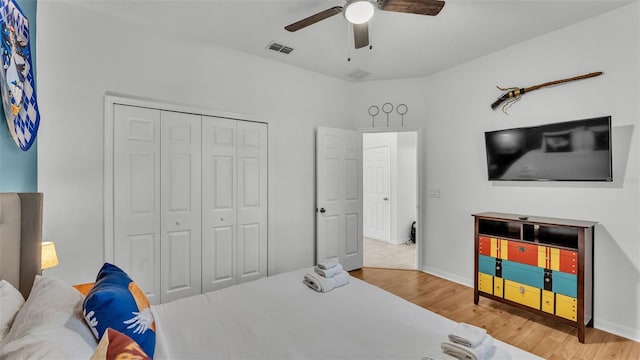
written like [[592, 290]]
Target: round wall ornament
[[17, 84]]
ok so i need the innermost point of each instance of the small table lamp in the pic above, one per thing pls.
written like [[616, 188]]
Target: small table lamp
[[49, 257]]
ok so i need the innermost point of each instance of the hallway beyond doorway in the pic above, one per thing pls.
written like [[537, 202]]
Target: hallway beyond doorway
[[384, 255]]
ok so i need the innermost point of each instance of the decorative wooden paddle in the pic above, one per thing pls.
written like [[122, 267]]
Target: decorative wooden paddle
[[513, 94]]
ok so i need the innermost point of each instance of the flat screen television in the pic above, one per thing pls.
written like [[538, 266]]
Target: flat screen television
[[578, 150]]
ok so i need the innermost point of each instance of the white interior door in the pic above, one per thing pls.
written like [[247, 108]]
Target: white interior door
[[377, 190], [252, 200], [219, 203], [339, 196], [180, 205], [136, 196]]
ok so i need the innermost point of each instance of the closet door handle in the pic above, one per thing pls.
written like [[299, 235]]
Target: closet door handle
[[322, 210]]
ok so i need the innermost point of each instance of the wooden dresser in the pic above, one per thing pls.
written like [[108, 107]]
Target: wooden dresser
[[536, 263]]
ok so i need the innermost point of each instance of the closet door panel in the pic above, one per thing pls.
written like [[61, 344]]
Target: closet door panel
[[181, 205], [252, 200], [136, 196], [219, 202]]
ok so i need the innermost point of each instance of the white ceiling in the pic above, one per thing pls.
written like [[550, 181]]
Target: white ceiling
[[404, 45]]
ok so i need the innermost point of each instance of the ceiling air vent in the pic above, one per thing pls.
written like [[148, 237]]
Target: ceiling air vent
[[279, 47], [358, 74]]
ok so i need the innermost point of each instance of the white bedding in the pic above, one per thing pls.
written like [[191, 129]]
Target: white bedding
[[278, 317]]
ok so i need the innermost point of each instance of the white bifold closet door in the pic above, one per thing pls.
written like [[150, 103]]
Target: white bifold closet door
[[189, 200], [234, 202], [157, 208]]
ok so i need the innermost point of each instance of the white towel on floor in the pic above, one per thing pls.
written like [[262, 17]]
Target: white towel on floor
[[467, 335], [483, 350], [328, 272], [318, 283], [328, 263]]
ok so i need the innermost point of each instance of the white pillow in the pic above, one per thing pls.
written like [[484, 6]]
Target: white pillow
[[38, 350], [52, 313], [11, 301]]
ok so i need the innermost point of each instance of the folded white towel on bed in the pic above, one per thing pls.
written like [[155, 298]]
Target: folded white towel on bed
[[467, 335], [483, 350], [331, 272], [341, 279], [328, 263], [322, 284], [318, 283]]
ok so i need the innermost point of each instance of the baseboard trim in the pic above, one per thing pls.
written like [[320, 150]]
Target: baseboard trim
[[448, 276]]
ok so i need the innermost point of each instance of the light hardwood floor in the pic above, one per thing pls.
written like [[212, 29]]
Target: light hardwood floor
[[539, 335]]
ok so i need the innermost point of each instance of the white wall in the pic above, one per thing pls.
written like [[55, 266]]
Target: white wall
[[406, 185], [82, 55], [452, 108]]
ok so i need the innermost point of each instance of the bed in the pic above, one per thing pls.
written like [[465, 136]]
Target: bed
[[277, 317]]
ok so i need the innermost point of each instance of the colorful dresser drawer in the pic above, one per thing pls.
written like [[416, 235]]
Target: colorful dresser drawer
[[497, 248], [523, 253], [498, 287], [548, 301], [566, 284], [566, 307], [568, 261], [485, 283], [558, 259], [484, 245], [522, 273], [487, 265], [522, 294]]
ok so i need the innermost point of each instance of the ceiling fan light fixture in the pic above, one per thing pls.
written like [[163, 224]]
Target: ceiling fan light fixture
[[359, 11]]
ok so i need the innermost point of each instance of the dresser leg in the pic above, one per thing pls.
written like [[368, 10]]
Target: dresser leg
[[581, 333]]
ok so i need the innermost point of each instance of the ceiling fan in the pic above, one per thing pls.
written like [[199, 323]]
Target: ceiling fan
[[359, 12]]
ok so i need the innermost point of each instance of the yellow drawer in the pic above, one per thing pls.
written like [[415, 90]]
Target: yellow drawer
[[566, 307], [498, 285], [547, 301], [485, 283], [522, 294]]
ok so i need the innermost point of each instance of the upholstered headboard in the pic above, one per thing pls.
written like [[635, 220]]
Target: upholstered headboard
[[20, 238]]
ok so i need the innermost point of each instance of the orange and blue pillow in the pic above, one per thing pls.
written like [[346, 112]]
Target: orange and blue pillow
[[117, 302], [115, 345]]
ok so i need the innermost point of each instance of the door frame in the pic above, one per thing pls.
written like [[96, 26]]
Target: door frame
[[112, 99], [419, 182]]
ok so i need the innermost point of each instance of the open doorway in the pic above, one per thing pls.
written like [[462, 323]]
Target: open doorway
[[390, 199]]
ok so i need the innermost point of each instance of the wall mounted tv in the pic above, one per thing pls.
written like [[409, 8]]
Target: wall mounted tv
[[577, 150]]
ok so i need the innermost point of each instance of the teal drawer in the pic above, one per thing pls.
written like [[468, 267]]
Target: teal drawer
[[565, 283], [523, 273], [487, 265]]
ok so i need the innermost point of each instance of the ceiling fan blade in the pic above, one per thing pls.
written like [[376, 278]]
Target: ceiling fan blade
[[420, 7], [361, 35], [314, 19]]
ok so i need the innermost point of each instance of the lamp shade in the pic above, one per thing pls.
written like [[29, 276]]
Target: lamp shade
[[49, 257], [359, 11]]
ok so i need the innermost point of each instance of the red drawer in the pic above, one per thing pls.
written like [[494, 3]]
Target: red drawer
[[523, 253], [484, 245], [569, 261]]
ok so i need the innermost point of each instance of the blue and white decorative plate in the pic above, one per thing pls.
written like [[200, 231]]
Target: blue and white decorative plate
[[16, 76]]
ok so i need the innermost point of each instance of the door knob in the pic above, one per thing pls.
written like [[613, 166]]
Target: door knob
[[322, 210], [385, 198]]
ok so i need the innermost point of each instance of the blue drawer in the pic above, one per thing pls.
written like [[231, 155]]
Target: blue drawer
[[523, 273], [565, 284], [487, 265]]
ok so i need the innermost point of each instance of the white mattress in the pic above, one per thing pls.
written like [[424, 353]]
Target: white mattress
[[278, 317]]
